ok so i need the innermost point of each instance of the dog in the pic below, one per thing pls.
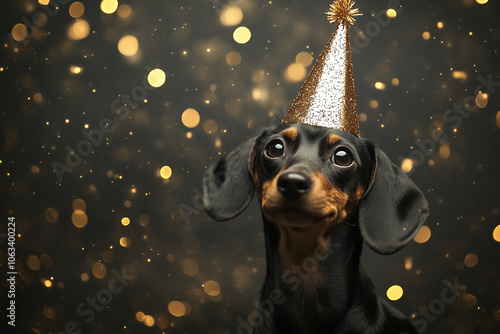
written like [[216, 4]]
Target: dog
[[322, 192]]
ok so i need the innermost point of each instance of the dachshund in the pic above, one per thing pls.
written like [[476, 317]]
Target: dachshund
[[321, 192]]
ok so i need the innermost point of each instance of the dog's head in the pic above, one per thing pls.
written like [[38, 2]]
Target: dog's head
[[307, 176]]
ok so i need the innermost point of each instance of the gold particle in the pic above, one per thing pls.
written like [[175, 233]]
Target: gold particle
[[35, 169], [190, 267], [304, 58], [37, 97], [78, 30], [128, 45], [482, 100], [423, 235], [47, 283], [176, 308], [84, 277], [75, 69], [127, 204], [496, 233], [166, 172], [242, 35], [459, 75], [144, 220], [76, 9], [440, 25], [210, 126], [426, 35], [379, 85], [231, 16], [124, 11], [211, 288], [109, 6], [79, 204], [233, 58], [444, 150], [33, 262], [19, 32], [374, 104], [391, 13], [140, 316], [149, 320], [99, 270], [125, 221], [125, 242], [408, 263], [43, 2], [79, 218], [407, 165], [395, 292], [395, 82], [295, 72], [482, 2], [156, 78], [471, 260], [51, 215], [190, 118]]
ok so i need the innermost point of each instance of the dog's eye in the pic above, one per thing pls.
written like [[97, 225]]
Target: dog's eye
[[342, 158], [275, 149]]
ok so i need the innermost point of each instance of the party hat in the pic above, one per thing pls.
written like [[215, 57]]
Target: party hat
[[327, 97]]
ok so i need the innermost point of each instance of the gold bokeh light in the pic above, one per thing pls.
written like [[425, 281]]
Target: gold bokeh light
[[423, 235], [211, 288], [190, 118], [99, 270], [395, 292], [156, 78], [176, 308], [109, 6], [78, 30], [242, 35], [76, 9], [128, 45], [166, 172], [231, 16]]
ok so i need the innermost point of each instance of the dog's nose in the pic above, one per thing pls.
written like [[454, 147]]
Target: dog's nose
[[292, 185]]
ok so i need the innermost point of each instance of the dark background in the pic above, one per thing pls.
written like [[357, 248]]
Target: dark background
[[461, 184]]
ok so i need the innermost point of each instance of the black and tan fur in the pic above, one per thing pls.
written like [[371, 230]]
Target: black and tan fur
[[316, 214]]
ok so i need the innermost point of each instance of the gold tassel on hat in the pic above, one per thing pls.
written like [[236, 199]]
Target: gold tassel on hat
[[327, 97]]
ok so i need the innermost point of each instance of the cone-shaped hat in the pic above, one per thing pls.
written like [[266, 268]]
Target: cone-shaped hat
[[327, 97]]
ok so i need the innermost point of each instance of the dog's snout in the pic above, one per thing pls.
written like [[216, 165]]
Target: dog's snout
[[292, 185]]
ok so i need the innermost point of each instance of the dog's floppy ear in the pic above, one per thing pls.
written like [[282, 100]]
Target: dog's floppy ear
[[228, 186], [393, 209]]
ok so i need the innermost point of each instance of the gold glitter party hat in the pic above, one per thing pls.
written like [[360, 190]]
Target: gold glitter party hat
[[327, 97]]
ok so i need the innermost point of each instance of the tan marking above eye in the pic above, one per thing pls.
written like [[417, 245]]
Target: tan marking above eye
[[291, 133], [332, 139]]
